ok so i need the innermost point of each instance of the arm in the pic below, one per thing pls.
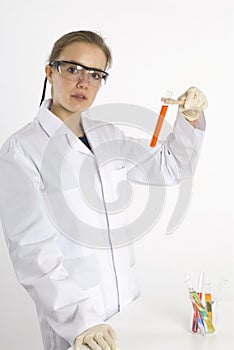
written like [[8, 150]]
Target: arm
[[177, 157], [31, 239], [171, 160]]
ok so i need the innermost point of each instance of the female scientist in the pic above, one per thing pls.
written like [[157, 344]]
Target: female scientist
[[76, 270]]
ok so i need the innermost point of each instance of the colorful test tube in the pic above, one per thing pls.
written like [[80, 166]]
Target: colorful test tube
[[208, 300]]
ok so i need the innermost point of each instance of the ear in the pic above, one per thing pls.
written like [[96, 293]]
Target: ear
[[49, 73]]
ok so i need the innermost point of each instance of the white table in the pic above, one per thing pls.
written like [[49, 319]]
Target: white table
[[141, 326]]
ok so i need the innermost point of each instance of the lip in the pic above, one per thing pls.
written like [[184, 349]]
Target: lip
[[79, 97]]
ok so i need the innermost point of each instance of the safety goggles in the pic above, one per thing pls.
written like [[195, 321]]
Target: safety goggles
[[75, 71]]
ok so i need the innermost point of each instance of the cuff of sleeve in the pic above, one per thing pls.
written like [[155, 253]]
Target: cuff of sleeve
[[200, 123], [198, 130]]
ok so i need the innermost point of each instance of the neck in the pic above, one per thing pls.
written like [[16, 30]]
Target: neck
[[72, 120], [74, 123]]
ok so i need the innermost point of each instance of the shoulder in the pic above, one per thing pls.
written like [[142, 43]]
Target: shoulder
[[23, 140], [15, 138]]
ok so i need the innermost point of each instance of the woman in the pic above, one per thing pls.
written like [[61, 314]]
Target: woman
[[76, 285]]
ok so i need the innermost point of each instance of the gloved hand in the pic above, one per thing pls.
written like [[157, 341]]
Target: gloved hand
[[194, 102], [100, 337]]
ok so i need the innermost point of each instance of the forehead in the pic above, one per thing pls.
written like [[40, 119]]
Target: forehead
[[87, 54]]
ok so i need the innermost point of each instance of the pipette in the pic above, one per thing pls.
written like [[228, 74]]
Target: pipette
[[167, 100]]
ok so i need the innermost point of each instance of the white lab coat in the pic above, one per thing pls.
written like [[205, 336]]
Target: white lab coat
[[76, 286]]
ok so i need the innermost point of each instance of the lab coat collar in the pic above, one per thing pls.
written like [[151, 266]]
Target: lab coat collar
[[54, 126], [49, 122]]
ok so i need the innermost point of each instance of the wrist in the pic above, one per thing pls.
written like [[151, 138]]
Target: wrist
[[191, 122]]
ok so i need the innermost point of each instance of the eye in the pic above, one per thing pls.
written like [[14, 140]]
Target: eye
[[72, 69], [95, 75]]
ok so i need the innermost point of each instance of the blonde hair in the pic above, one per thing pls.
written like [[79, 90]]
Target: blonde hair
[[81, 36]]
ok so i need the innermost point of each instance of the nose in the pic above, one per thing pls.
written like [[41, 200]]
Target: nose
[[83, 81]]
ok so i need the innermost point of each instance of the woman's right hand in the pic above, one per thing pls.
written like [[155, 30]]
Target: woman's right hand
[[100, 337]]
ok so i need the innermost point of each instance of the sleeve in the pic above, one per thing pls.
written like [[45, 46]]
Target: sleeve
[[171, 160], [31, 240]]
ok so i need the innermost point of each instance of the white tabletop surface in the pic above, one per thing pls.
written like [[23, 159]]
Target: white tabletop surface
[[142, 326]]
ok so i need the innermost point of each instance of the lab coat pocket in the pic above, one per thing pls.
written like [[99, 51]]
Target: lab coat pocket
[[85, 273], [96, 299], [83, 270], [119, 173]]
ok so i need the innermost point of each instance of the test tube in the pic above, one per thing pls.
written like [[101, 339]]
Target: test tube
[[197, 319], [208, 299], [200, 290], [160, 120], [196, 312]]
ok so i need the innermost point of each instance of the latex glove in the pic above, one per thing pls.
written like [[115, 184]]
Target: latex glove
[[194, 102], [100, 337]]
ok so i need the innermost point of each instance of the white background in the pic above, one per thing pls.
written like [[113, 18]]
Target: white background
[[156, 46]]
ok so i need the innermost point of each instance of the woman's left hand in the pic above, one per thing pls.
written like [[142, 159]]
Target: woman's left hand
[[194, 103]]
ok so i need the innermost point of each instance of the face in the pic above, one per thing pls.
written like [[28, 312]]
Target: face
[[68, 96]]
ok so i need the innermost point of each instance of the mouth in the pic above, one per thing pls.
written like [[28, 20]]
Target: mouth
[[79, 97]]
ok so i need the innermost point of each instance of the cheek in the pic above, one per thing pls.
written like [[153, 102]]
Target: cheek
[[94, 94], [60, 87]]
